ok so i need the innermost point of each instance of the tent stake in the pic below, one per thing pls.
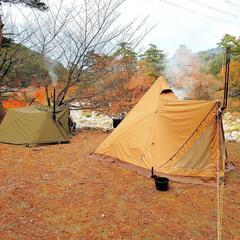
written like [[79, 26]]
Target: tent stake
[[153, 175]]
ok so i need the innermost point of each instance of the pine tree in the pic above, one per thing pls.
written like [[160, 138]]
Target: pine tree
[[154, 60]]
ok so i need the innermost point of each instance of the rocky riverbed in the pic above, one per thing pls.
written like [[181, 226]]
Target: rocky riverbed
[[91, 120], [95, 120], [231, 125]]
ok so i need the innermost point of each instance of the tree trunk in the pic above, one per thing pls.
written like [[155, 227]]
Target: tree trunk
[[1, 44], [2, 113], [1, 31]]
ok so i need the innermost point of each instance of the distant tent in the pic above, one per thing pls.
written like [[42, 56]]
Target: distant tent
[[174, 137], [34, 125]]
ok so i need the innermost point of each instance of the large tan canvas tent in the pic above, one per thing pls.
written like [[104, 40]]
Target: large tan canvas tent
[[173, 137], [34, 125]]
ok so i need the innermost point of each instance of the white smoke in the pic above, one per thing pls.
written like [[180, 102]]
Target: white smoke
[[51, 66], [179, 71]]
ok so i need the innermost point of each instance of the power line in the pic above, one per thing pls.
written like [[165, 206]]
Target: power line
[[198, 13], [210, 7], [232, 3]]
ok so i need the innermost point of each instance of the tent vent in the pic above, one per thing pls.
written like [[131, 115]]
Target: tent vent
[[166, 91]]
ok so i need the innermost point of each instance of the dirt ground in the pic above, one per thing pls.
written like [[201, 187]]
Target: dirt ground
[[57, 192]]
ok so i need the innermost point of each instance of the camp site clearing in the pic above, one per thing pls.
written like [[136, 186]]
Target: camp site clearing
[[58, 192]]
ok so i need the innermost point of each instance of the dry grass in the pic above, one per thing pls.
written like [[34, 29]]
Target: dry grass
[[56, 192]]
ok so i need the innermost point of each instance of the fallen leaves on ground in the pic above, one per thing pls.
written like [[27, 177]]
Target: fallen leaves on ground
[[57, 192]]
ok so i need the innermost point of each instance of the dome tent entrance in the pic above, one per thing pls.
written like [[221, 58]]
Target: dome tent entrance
[[174, 137], [34, 125]]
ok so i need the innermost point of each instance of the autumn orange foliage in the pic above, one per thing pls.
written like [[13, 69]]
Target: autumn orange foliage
[[131, 92], [12, 103], [40, 95], [25, 97]]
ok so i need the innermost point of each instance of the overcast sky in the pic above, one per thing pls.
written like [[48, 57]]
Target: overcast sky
[[177, 24]]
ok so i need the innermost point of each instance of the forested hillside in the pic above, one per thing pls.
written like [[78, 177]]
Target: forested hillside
[[118, 79]]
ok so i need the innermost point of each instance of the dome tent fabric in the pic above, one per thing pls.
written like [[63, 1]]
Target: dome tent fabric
[[174, 137], [62, 116], [33, 125]]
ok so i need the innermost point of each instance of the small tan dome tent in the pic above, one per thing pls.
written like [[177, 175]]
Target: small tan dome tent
[[34, 125], [174, 137]]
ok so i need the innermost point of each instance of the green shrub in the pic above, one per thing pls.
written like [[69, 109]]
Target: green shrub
[[87, 114]]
